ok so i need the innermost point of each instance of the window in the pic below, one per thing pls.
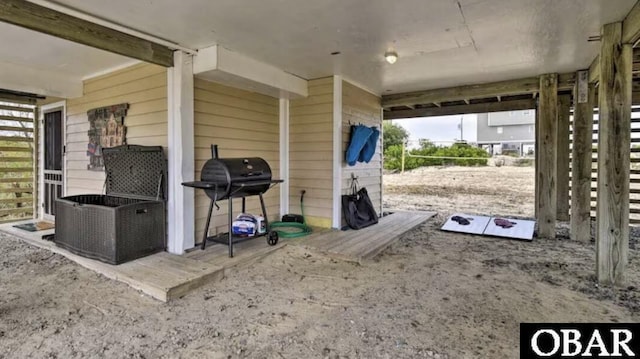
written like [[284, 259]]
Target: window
[[499, 130]]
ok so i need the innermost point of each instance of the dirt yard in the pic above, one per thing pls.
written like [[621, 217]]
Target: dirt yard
[[491, 190], [431, 295]]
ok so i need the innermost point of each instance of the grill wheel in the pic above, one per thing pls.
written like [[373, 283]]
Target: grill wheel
[[272, 239]]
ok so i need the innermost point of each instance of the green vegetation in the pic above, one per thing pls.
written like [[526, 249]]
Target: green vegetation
[[393, 135], [460, 155]]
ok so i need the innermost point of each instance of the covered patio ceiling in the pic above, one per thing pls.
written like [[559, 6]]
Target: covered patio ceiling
[[37, 63], [441, 43]]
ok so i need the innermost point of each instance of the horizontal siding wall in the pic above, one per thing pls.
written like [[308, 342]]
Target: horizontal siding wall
[[310, 152], [242, 124], [144, 87], [362, 107]]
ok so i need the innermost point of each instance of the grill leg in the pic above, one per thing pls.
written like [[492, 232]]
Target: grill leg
[[206, 227], [264, 212], [230, 227], [244, 205]]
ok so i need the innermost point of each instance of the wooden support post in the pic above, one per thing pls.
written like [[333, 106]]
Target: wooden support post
[[536, 154], [562, 165], [612, 209], [584, 100], [547, 156], [180, 155]]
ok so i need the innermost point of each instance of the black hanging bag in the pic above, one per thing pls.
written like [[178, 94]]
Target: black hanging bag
[[357, 207]]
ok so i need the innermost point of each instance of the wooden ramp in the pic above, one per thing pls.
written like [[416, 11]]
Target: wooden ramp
[[162, 275], [358, 246]]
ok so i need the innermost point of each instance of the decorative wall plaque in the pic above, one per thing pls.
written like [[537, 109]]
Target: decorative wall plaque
[[106, 129]]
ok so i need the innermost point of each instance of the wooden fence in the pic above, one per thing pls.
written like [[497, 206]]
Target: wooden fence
[[17, 167], [634, 185]]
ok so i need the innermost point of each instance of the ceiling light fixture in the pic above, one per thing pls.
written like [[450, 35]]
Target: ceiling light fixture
[[391, 56]]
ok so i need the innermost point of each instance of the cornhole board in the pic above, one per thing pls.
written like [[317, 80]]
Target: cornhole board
[[522, 229], [477, 224]]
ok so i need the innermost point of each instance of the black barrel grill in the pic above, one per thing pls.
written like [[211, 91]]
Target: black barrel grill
[[229, 178]]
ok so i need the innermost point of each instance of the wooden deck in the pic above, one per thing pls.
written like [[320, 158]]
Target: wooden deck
[[364, 244], [166, 276], [243, 252], [163, 276]]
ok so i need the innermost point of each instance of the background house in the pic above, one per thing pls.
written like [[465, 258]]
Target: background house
[[507, 132]]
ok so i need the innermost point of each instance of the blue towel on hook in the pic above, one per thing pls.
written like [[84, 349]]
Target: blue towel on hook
[[359, 136], [370, 146]]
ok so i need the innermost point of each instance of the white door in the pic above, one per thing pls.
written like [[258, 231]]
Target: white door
[[52, 155]]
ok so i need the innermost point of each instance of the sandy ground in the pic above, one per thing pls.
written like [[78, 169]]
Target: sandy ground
[[473, 190], [431, 295]]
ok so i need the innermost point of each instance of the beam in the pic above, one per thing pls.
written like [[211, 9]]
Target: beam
[[465, 93], [584, 101], [547, 156], [566, 81], [631, 26], [514, 105], [218, 64], [461, 93], [612, 209], [562, 165], [18, 97], [51, 22]]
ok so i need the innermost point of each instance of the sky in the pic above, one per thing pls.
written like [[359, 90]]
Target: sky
[[443, 130]]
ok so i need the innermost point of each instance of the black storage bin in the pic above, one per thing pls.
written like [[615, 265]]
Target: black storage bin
[[126, 223]]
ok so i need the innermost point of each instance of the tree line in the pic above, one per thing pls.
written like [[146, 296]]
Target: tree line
[[458, 154]]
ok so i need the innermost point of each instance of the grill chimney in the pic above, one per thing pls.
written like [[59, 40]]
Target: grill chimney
[[214, 152]]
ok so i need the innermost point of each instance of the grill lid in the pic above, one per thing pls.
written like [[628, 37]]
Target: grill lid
[[237, 176], [135, 171], [236, 170]]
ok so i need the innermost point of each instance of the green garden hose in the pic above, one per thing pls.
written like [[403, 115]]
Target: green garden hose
[[293, 229]]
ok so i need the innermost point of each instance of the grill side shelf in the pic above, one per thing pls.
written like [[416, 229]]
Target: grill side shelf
[[200, 185]]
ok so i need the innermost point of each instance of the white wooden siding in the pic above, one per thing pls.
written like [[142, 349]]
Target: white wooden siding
[[311, 152], [362, 107]]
